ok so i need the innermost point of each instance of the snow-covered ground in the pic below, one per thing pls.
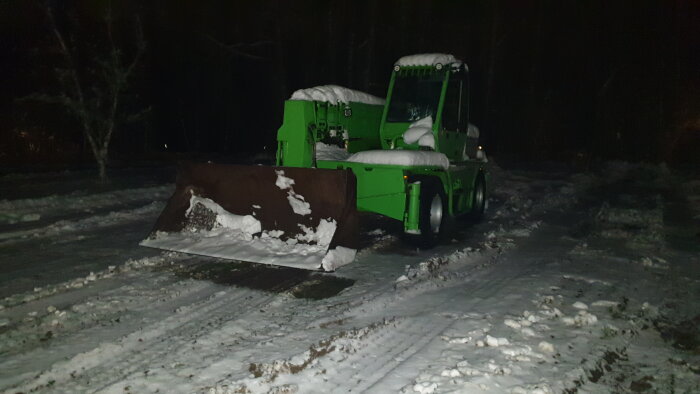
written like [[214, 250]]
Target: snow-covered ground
[[572, 283]]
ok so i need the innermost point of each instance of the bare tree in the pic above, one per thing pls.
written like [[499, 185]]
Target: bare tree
[[93, 79]]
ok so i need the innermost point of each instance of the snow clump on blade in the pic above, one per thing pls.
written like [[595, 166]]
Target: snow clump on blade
[[282, 181], [322, 235], [296, 201], [246, 224]]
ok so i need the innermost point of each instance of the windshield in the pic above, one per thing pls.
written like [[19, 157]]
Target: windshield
[[414, 97]]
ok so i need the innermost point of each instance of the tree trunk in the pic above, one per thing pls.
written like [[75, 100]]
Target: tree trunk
[[101, 159]]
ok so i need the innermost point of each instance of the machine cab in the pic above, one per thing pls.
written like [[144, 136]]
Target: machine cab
[[432, 92]]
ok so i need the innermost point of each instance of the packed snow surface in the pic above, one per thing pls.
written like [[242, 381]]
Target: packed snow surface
[[427, 59], [401, 158], [573, 282], [335, 94]]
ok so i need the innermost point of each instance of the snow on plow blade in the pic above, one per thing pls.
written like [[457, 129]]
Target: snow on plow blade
[[295, 217]]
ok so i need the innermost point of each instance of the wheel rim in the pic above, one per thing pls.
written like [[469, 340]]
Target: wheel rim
[[479, 197], [436, 214]]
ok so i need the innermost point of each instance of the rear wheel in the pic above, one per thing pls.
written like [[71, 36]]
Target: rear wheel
[[433, 216], [478, 199]]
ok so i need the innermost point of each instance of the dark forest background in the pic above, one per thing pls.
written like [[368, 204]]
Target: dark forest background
[[551, 79]]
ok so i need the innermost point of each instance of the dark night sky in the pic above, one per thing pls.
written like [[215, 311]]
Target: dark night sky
[[609, 79]]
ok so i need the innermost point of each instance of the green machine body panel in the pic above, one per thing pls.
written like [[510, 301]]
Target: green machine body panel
[[414, 92], [353, 126], [380, 188]]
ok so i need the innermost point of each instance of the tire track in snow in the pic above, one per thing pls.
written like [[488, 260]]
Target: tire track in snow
[[112, 362], [400, 350], [168, 354], [398, 358], [94, 316], [75, 204], [378, 355], [64, 227]]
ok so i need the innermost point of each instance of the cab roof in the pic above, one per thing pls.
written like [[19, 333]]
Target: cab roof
[[428, 59]]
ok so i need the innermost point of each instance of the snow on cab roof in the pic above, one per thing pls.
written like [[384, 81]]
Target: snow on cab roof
[[427, 59], [335, 94]]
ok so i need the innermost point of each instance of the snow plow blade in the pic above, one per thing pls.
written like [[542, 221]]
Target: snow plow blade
[[295, 217]]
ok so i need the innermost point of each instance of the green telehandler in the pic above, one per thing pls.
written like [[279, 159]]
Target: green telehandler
[[413, 157]]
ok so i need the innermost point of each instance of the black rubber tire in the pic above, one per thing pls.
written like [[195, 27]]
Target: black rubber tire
[[478, 199], [433, 216]]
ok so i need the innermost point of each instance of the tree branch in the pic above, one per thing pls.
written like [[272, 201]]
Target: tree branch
[[233, 49], [72, 70]]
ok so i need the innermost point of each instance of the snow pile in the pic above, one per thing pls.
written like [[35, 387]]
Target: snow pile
[[546, 347], [420, 131], [330, 152], [334, 94], [401, 158], [246, 224], [427, 59], [582, 319], [338, 257], [494, 342], [296, 201], [425, 387]]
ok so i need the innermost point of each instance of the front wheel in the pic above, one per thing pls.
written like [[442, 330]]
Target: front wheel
[[433, 216]]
